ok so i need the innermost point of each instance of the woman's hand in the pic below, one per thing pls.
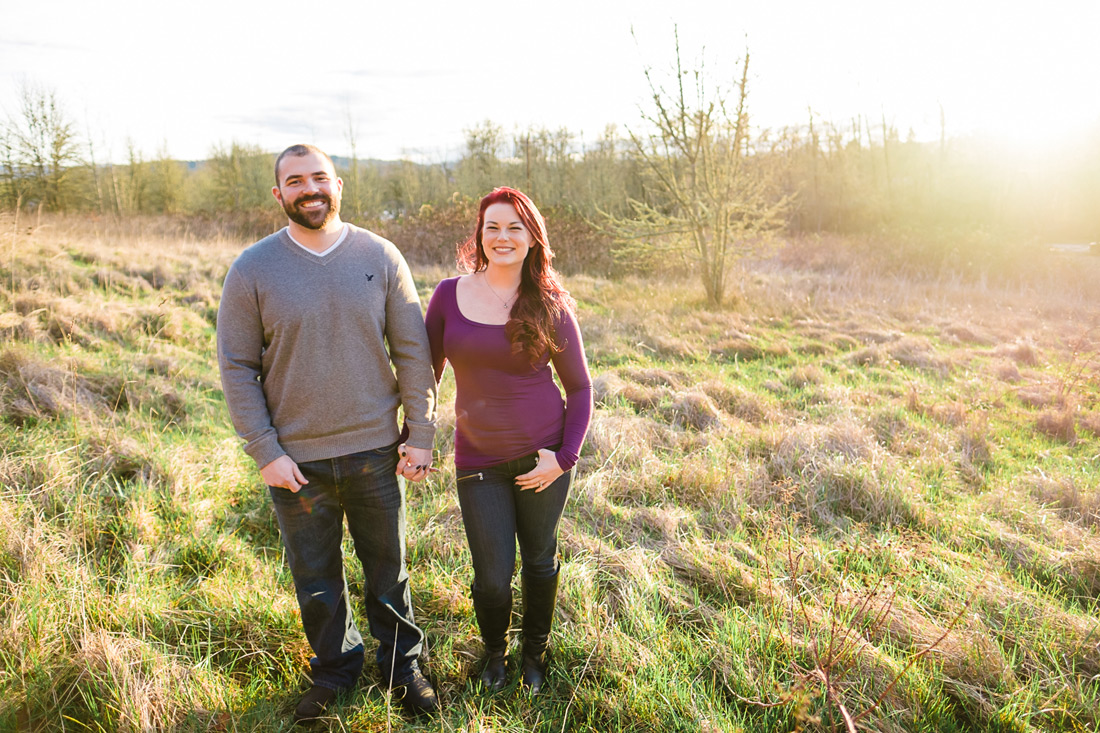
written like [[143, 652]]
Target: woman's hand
[[414, 463], [543, 474]]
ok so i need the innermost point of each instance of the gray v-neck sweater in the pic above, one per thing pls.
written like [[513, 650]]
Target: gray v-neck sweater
[[318, 353]]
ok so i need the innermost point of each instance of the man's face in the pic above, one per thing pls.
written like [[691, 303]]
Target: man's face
[[308, 190]]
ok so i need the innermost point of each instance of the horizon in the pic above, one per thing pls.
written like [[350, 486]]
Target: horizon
[[1008, 74]]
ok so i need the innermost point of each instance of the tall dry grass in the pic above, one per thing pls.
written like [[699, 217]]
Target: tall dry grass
[[836, 500]]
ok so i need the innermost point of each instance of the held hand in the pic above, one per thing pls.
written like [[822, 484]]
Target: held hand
[[413, 463], [543, 474], [283, 473]]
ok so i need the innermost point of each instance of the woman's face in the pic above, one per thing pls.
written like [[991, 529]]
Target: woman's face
[[504, 237]]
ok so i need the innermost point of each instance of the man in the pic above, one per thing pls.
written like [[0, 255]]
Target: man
[[313, 324]]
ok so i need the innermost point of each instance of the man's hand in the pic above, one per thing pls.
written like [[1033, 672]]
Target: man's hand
[[283, 473], [413, 463]]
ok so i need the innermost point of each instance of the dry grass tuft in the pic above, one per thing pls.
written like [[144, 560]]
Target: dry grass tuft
[[702, 485], [714, 574], [659, 391], [629, 438], [693, 410], [1007, 371], [805, 376], [137, 684], [955, 412], [656, 377], [65, 321], [1058, 424], [974, 451], [843, 343], [120, 458], [1073, 638], [606, 387], [917, 352], [26, 548], [1090, 422], [112, 280], [1021, 352], [31, 302], [894, 431], [171, 323], [868, 356], [814, 348], [737, 401], [1038, 396], [63, 329], [966, 334], [737, 349], [644, 398], [31, 389], [871, 336], [673, 347], [668, 521], [828, 472], [967, 655], [15, 327]]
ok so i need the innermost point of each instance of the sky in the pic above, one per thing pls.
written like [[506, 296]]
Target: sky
[[409, 78]]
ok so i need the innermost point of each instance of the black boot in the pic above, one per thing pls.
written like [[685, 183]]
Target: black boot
[[539, 597], [493, 622]]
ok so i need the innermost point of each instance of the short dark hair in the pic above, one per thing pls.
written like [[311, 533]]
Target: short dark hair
[[299, 151]]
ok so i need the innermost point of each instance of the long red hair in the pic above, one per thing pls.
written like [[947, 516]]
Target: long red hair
[[542, 300]]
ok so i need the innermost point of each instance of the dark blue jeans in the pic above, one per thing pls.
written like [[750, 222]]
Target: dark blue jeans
[[362, 487], [496, 513]]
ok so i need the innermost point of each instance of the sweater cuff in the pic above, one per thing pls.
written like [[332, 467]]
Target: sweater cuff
[[421, 435], [564, 462], [265, 451]]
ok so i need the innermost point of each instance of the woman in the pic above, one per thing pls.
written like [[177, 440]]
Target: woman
[[516, 440]]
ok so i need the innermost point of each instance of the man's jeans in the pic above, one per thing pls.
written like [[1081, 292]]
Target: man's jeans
[[362, 486], [496, 512]]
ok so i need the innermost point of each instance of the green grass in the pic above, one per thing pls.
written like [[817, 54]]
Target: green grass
[[884, 482]]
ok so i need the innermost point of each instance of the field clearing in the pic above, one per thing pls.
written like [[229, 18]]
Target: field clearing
[[851, 492]]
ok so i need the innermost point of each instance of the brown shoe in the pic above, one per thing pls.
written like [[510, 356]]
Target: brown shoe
[[416, 695], [313, 704]]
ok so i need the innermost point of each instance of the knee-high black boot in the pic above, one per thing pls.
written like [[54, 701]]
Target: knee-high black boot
[[493, 621], [539, 598]]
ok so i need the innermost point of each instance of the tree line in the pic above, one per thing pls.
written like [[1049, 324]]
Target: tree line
[[690, 182]]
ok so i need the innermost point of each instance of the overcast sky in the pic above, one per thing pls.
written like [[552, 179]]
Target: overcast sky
[[412, 76]]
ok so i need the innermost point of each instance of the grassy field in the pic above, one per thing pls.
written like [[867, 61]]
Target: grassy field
[[849, 499]]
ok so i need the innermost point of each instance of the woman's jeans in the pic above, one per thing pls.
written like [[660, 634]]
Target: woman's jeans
[[363, 487], [496, 512]]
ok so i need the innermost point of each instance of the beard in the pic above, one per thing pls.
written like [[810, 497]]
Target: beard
[[315, 219]]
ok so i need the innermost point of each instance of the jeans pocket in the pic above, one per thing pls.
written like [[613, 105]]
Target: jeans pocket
[[383, 451], [478, 475]]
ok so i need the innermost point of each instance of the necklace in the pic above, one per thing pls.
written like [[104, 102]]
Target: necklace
[[506, 303]]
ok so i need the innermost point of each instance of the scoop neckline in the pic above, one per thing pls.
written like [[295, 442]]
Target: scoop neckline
[[463, 316]]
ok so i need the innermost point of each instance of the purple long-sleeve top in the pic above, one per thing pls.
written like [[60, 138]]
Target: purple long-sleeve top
[[505, 406]]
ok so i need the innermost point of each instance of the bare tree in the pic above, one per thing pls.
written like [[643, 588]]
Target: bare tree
[[480, 168], [167, 182], [41, 147], [238, 177], [706, 197], [13, 175]]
